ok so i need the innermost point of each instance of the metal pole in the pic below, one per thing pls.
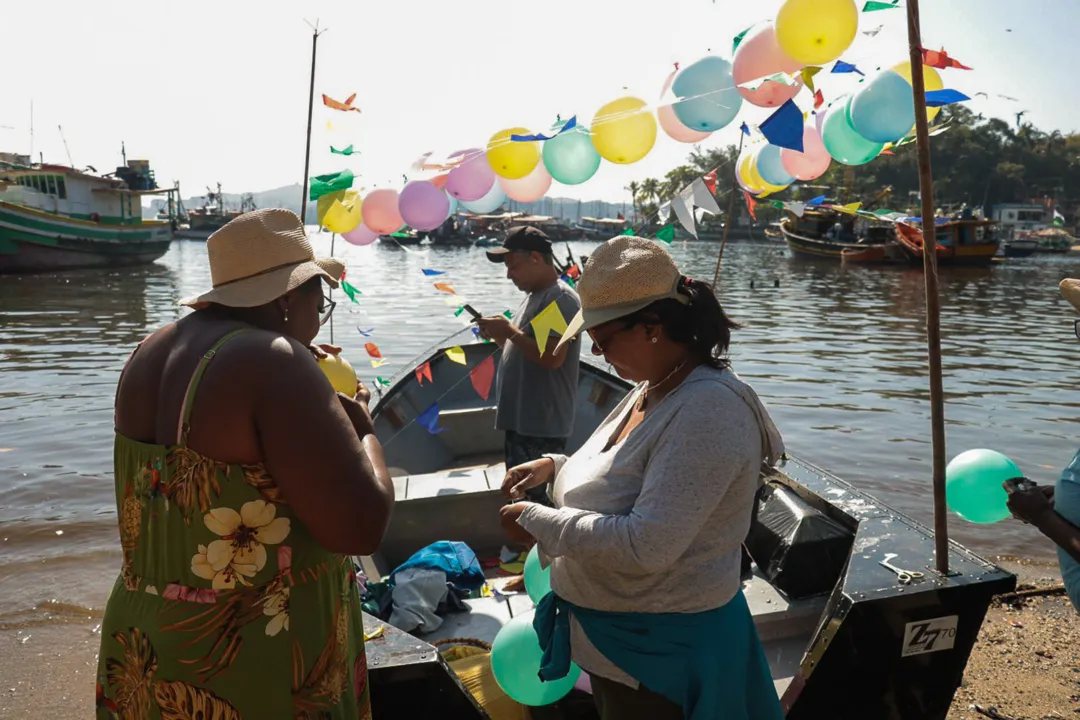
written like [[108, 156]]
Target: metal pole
[[310, 110], [933, 301], [730, 211]]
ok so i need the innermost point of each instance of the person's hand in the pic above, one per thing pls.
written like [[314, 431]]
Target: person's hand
[[508, 517], [527, 476], [358, 414], [1029, 503], [324, 350], [497, 328], [363, 394]]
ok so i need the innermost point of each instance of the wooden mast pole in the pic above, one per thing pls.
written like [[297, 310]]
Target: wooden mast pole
[[730, 211], [933, 300], [310, 110]]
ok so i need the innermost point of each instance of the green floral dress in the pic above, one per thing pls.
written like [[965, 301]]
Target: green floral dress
[[225, 607]]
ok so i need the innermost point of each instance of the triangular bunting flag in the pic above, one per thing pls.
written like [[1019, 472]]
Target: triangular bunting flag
[[739, 38], [666, 234], [457, 354], [784, 128], [816, 201], [849, 209], [795, 208], [664, 212], [482, 375], [547, 321], [429, 419], [445, 287], [423, 371], [326, 184], [570, 125], [941, 60], [378, 363], [429, 272], [382, 381], [843, 67], [347, 151], [627, 231], [684, 211], [337, 105], [819, 100], [872, 5], [710, 181], [940, 98], [373, 350], [808, 74], [365, 333], [350, 290], [750, 204], [703, 195]]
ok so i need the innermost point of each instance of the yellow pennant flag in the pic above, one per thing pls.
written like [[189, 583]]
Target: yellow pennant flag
[[456, 354], [378, 363], [850, 208], [454, 301], [548, 320]]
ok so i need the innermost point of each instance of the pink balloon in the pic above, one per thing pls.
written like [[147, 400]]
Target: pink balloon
[[584, 683], [423, 206], [812, 162], [473, 178], [758, 56], [530, 188], [361, 235], [380, 211], [669, 121]]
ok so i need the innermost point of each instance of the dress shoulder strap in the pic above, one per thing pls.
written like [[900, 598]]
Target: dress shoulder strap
[[184, 426]]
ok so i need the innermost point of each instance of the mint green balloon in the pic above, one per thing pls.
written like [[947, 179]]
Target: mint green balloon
[[843, 143], [515, 662], [537, 579], [973, 488], [570, 157]]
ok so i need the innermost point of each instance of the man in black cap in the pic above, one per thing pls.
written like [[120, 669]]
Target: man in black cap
[[534, 391]]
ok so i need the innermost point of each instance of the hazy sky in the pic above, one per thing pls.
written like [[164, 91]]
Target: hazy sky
[[217, 91]]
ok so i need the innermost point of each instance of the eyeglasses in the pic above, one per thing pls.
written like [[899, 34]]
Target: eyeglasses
[[326, 309]]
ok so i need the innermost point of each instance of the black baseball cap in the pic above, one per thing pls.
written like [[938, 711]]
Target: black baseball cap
[[523, 238]]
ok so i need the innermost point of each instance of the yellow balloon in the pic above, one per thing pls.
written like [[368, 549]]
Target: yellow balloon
[[766, 187], [340, 373], [324, 203], [624, 130], [815, 32], [509, 159], [743, 170], [931, 79], [343, 215]]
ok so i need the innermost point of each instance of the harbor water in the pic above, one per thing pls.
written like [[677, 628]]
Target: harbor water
[[837, 352]]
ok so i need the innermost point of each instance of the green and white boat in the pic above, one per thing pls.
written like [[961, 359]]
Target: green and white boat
[[54, 217]]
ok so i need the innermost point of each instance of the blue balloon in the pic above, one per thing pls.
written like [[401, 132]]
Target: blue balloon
[[489, 203], [884, 109], [771, 168], [570, 157], [719, 101]]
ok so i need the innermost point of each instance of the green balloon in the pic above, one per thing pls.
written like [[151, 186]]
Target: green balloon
[[570, 157], [515, 662], [537, 579], [973, 485], [843, 143]]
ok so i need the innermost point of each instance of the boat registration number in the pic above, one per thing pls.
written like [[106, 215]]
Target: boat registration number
[[927, 636]]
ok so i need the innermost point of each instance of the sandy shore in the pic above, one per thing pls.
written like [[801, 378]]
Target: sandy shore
[[1026, 663]]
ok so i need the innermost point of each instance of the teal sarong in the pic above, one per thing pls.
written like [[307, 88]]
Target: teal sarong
[[710, 663]]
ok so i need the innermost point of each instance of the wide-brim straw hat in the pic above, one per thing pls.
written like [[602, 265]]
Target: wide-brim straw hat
[[1070, 290], [622, 276], [258, 257]]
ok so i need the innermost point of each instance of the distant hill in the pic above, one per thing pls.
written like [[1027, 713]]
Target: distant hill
[[289, 197]]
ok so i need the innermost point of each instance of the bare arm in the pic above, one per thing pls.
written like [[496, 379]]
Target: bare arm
[[336, 483], [528, 347], [1063, 533]]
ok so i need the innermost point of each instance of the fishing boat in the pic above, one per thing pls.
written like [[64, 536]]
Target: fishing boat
[[1019, 247], [1053, 240], [845, 635], [204, 221], [403, 237], [601, 228], [54, 217], [827, 233], [880, 254], [960, 241]]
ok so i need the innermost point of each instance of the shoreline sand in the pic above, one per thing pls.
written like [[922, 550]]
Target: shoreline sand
[[1026, 663]]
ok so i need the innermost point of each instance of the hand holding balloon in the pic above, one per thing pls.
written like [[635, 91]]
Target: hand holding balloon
[[1027, 501], [974, 485]]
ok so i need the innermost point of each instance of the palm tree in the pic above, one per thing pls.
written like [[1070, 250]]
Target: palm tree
[[634, 189]]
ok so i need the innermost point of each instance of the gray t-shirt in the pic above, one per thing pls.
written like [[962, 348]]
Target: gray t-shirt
[[532, 400]]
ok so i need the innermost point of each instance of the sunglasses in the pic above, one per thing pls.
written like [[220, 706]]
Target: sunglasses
[[604, 333], [326, 309]]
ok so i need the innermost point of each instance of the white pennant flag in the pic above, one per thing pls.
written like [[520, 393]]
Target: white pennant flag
[[664, 212], [684, 210], [797, 208], [703, 198]]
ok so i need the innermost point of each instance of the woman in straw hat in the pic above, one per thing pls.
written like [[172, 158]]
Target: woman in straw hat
[[1055, 510], [645, 539], [243, 484]]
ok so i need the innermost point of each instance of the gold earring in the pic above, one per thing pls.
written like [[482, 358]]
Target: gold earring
[[653, 339]]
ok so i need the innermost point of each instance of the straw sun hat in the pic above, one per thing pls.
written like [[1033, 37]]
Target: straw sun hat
[[1070, 290], [622, 276], [258, 257]]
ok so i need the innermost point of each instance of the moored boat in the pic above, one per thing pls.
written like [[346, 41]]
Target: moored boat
[[845, 636], [827, 233], [54, 217], [881, 254], [1019, 247], [964, 241], [1053, 240]]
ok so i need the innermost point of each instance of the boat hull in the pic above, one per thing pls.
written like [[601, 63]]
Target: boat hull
[[33, 241], [911, 240], [1019, 249], [816, 247]]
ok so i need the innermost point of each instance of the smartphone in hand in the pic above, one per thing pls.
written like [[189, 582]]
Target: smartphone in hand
[[472, 311]]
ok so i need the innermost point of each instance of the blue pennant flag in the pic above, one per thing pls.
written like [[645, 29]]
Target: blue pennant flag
[[843, 67], [570, 125], [745, 129], [429, 272], [365, 333], [429, 419], [937, 98], [816, 201], [784, 128]]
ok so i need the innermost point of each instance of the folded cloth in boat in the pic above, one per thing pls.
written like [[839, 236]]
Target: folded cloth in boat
[[417, 594], [456, 559], [711, 663]]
